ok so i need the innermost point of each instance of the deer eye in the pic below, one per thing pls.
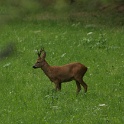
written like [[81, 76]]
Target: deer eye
[[38, 62]]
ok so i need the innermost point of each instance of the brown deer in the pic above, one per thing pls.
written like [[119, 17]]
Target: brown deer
[[60, 74]]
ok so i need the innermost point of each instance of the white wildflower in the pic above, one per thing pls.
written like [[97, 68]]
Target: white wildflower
[[63, 54], [101, 105], [6, 65], [89, 33]]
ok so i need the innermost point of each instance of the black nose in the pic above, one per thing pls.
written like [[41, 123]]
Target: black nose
[[34, 67]]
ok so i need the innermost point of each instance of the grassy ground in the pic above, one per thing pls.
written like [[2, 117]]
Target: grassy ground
[[27, 96]]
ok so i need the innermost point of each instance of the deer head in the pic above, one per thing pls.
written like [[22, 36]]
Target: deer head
[[41, 59]]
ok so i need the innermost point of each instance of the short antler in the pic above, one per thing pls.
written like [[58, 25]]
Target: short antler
[[41, 50], [39, 53]]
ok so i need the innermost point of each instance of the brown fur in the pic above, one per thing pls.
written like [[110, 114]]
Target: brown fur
[[65, 73]]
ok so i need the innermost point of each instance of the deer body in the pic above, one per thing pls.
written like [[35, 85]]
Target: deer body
[[65, 73]]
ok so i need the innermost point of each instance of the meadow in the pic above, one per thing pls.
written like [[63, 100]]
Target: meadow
[[27, 95]]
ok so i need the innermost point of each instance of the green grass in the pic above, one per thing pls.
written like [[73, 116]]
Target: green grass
[[27, 96]]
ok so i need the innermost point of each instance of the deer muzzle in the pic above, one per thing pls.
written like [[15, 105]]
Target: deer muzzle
[[34, 67]]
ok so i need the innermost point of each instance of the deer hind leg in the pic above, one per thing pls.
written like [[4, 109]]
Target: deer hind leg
[[78, 87], [83, 84]]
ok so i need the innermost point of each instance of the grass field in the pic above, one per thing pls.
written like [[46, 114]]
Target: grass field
[[27, 96]]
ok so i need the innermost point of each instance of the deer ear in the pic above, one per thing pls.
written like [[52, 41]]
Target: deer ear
[[44, 55]]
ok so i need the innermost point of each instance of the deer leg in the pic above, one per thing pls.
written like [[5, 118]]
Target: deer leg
[[57, 86], [78, 87], [84, 85]]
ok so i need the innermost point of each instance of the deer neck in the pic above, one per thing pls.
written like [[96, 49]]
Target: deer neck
[[46, 67]]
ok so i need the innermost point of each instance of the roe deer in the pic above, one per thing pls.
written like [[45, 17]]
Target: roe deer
[[60, 74]]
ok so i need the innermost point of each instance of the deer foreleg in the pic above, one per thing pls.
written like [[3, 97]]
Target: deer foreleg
[[57, 86]]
